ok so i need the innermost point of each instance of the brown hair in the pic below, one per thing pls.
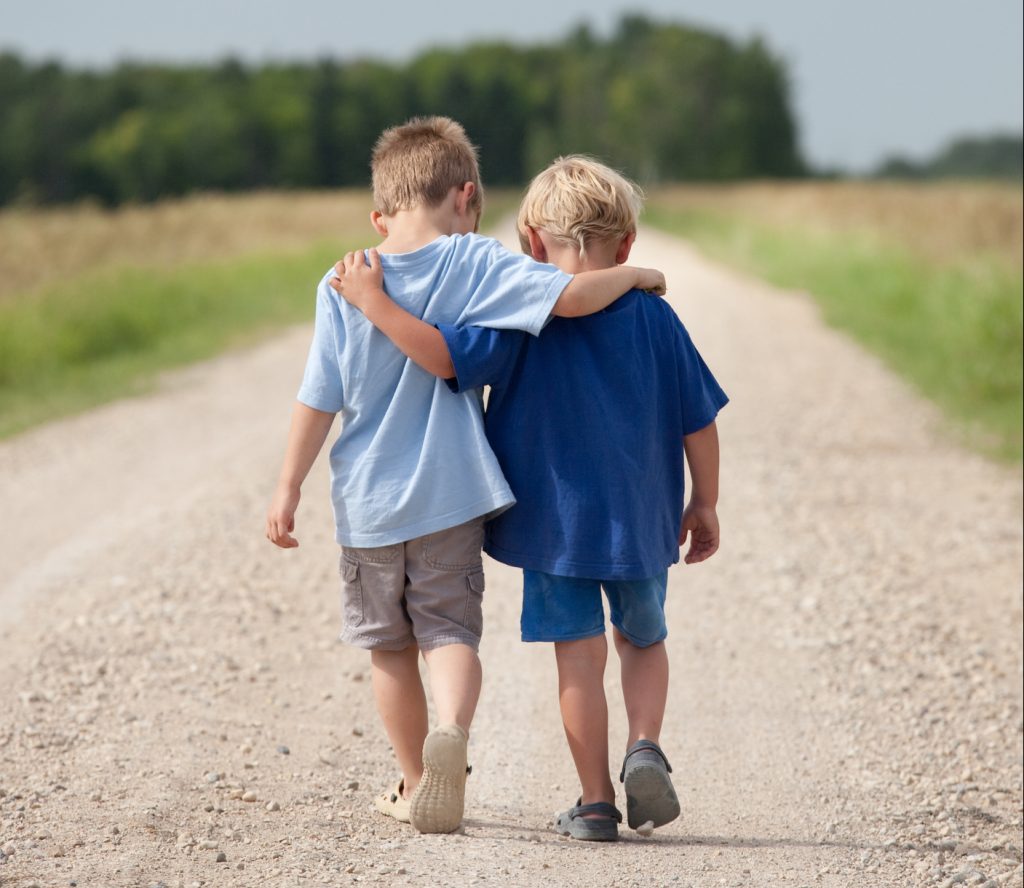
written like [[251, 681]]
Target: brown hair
[[580, 200], [419, 162]]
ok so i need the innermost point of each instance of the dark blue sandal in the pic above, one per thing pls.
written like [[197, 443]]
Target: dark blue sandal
[[650, 795], [598, 822]]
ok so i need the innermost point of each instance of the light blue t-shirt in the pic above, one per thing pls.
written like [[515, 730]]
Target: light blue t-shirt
[[412, 459]]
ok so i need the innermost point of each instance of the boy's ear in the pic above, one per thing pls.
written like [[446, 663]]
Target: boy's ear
[[463, 196], [377, 221], [625, 245], [537, 248]]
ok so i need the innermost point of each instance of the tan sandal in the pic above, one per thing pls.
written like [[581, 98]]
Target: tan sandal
[[437, 804], [393, 804]]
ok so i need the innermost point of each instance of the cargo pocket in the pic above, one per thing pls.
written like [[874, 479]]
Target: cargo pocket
[[474, 620], [351, 592]]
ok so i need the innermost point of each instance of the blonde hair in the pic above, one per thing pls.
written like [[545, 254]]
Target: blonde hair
[[579, 200], [419, 162]]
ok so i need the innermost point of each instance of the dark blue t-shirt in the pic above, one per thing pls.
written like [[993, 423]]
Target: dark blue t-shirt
[[587, 421]]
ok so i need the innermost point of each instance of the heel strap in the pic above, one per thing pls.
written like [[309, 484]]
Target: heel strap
[[600, 809], [643, 746]]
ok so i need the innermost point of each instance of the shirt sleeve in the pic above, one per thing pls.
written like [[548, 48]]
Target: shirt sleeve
[[481, 356], [702, 396], [321, 386], [514, 291]]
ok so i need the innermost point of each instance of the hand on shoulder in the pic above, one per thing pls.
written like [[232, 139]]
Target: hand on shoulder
[[356, 280]]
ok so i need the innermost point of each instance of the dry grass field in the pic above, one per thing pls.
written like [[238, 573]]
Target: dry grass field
[[940, 221], [39, 247]]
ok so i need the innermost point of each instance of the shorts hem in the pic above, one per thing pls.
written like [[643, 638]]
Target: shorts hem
[[574, 636], [640, 642], [371, 643], [436, 641]]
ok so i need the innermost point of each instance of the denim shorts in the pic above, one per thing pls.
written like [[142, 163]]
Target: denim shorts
[[428, 590], [569, 608]]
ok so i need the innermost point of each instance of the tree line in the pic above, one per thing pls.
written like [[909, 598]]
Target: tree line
[[662, 102], [998, 156]]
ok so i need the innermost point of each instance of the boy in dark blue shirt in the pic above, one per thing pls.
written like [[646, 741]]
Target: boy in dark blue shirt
[[589, 423]]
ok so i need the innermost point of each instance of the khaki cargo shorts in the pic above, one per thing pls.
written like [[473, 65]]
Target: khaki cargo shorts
[[428, 590]]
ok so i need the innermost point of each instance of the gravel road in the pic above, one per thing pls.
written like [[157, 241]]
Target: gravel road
[[846, 690]]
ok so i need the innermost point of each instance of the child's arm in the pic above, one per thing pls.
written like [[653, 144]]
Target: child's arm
[[590, 291], [362, 286], [308, 431], [700, 518]]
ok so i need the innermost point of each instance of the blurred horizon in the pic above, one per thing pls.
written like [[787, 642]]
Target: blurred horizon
[[867, 82]]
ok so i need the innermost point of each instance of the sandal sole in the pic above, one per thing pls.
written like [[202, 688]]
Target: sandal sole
[[439, 800], [650, 796]]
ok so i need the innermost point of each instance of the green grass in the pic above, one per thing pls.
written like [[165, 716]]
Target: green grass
[[954, 328], [110, 332]]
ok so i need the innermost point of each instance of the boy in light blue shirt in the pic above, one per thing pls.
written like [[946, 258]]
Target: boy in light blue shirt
[[412, 474]]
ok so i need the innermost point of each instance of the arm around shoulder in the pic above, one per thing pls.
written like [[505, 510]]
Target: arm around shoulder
[[362, 285], [591, 291]]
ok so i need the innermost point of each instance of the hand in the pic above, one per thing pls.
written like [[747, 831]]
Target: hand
[[701, 524], [356, 282], [281, 517], [651, 280]]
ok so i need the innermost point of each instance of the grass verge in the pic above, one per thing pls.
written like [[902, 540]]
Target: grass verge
[[110, 331], [953, 328]]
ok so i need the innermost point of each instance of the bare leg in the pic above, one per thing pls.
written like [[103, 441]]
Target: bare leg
[[402, 705], [455, 678], [585, 713], [644, 687]]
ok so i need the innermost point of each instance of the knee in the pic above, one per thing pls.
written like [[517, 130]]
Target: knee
[[592, 652]]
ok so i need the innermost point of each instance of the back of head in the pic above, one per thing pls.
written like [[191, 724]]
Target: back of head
[[580, 201], [419, 162]]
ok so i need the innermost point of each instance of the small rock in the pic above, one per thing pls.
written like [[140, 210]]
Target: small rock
[[208, 844], [353, 784], [222, 857], [284, 750], [212, 776], [646, 829], [357, 732], [273, 806], [249, 796]]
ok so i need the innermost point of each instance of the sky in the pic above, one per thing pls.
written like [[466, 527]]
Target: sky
[[870, 77]]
